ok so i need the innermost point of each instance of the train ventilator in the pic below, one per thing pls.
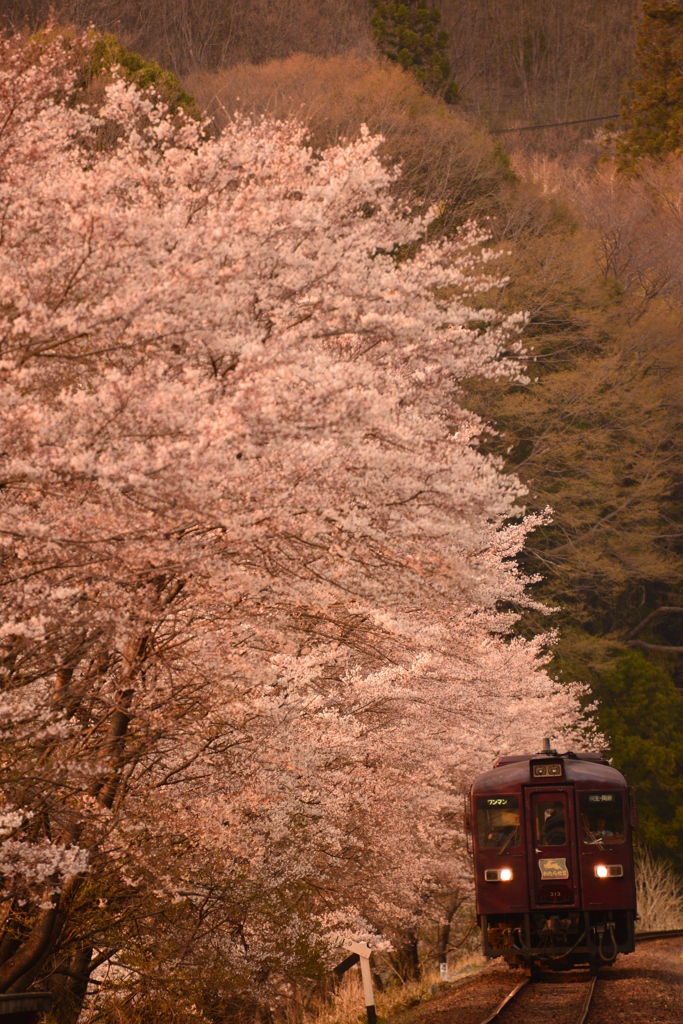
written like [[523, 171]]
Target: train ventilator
[[552, 840]]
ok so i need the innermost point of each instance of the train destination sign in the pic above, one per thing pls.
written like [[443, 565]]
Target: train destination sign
[[553, 867]]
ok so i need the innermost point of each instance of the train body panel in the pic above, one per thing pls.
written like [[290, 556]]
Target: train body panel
[[553, 859]]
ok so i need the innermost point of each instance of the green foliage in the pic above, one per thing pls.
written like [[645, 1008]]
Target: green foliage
[[652, 109], [146, 74], [641, 712], [410, 35], [504, 162]]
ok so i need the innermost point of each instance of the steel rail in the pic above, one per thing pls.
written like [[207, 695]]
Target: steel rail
[[587, 1002], [510, 996], [671, 933]]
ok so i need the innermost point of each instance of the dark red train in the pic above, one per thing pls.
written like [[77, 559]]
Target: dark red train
[[553, 859]]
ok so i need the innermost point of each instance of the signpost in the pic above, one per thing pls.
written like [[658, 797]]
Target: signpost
[[360, 951]]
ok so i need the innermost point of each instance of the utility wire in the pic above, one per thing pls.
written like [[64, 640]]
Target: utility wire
[[554, 124]]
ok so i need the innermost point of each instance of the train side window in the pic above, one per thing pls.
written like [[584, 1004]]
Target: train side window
[[551, 828], [602, 818], [498, 822]]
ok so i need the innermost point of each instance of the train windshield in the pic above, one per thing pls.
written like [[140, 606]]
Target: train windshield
[[602, 817], [498, 822], [551, 827]]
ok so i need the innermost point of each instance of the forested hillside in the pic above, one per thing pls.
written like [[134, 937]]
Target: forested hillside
[[541, 60], [288, 395]]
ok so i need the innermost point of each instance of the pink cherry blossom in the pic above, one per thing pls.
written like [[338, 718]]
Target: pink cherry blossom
[[252, 559]]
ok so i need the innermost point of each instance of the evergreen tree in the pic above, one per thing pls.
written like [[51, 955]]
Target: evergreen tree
[[652, 108], [107, 52], [410, 35], [641, 712]]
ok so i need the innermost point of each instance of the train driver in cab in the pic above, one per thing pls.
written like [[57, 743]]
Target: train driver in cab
[[505, 831], [553, 830]]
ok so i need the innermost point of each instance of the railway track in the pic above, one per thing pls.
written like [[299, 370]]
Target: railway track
[[526, 981], [672, 933]]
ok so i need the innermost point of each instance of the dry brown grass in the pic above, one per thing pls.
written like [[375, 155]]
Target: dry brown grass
[[347, 1005], [446, 159]]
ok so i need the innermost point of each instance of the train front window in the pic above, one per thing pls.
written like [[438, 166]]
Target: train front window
[[551, 828], [602, 818], [498, 822]]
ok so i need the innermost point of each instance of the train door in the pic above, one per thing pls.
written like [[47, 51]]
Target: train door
[[554, 877]]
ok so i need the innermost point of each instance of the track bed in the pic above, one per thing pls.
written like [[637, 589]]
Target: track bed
[[645, 987]]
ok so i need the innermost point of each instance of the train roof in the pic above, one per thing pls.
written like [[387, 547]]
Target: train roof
[[590, 755], [514, 770]]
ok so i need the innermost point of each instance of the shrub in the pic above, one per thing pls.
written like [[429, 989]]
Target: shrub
[[642, 714], [659, 894]]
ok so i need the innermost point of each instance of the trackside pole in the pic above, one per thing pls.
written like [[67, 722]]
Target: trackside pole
[[360, 951]]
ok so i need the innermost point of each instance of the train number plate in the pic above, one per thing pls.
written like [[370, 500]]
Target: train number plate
[[553, 867]]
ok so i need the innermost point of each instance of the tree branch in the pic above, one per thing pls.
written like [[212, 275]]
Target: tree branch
[[664, 610], [655, 647]]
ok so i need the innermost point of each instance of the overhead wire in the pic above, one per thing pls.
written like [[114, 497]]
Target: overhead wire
[[553, 124]]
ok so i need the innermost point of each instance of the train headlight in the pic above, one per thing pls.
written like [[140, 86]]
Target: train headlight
[[609, 871], [498, 875]]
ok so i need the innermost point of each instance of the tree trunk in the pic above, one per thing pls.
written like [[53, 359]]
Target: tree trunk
[[30, 951], [406, 961], [69, 984], [19, 970], [444, 935]]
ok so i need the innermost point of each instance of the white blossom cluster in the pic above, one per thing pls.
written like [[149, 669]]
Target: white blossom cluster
[[10, 820], [36, 863]]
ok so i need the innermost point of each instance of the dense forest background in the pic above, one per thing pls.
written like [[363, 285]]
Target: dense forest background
[[593, 230], [538, 60]]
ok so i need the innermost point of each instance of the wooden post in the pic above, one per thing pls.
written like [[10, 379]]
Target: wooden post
[[362, 951]]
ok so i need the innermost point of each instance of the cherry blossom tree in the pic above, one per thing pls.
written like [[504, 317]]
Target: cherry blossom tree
[[252, 560]]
